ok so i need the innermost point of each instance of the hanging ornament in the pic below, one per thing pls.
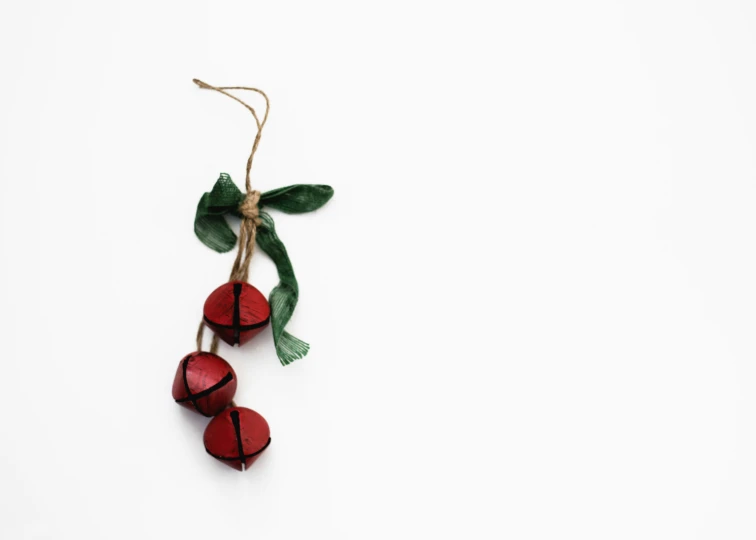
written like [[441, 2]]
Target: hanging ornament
[[237, 311], [205, 383], [237, 437]]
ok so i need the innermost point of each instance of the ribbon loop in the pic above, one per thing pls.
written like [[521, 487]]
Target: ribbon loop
[[298, 198]]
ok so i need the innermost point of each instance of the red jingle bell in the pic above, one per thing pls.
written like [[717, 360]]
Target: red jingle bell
[[237, 437], [236, 311], [205, 383]]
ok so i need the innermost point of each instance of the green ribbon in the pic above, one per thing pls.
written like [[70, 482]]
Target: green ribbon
[[213, 230]]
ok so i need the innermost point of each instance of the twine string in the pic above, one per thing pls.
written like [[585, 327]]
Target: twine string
[[201, 333], [248, 208]]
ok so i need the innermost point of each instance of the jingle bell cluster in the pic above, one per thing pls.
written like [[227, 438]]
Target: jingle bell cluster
[[206, 383], [237, 311]]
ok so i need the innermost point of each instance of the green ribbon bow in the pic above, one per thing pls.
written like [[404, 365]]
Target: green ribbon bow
[[211, 228]]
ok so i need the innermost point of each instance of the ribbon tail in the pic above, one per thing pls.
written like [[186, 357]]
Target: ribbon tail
[[284, 296]]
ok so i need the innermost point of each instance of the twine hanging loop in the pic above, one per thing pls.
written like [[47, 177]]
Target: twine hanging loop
[[249, 208]]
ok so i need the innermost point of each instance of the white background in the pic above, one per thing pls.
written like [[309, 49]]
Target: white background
[[531, 302]]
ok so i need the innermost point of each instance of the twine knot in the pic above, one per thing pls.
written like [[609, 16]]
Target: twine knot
[[249, 207]]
